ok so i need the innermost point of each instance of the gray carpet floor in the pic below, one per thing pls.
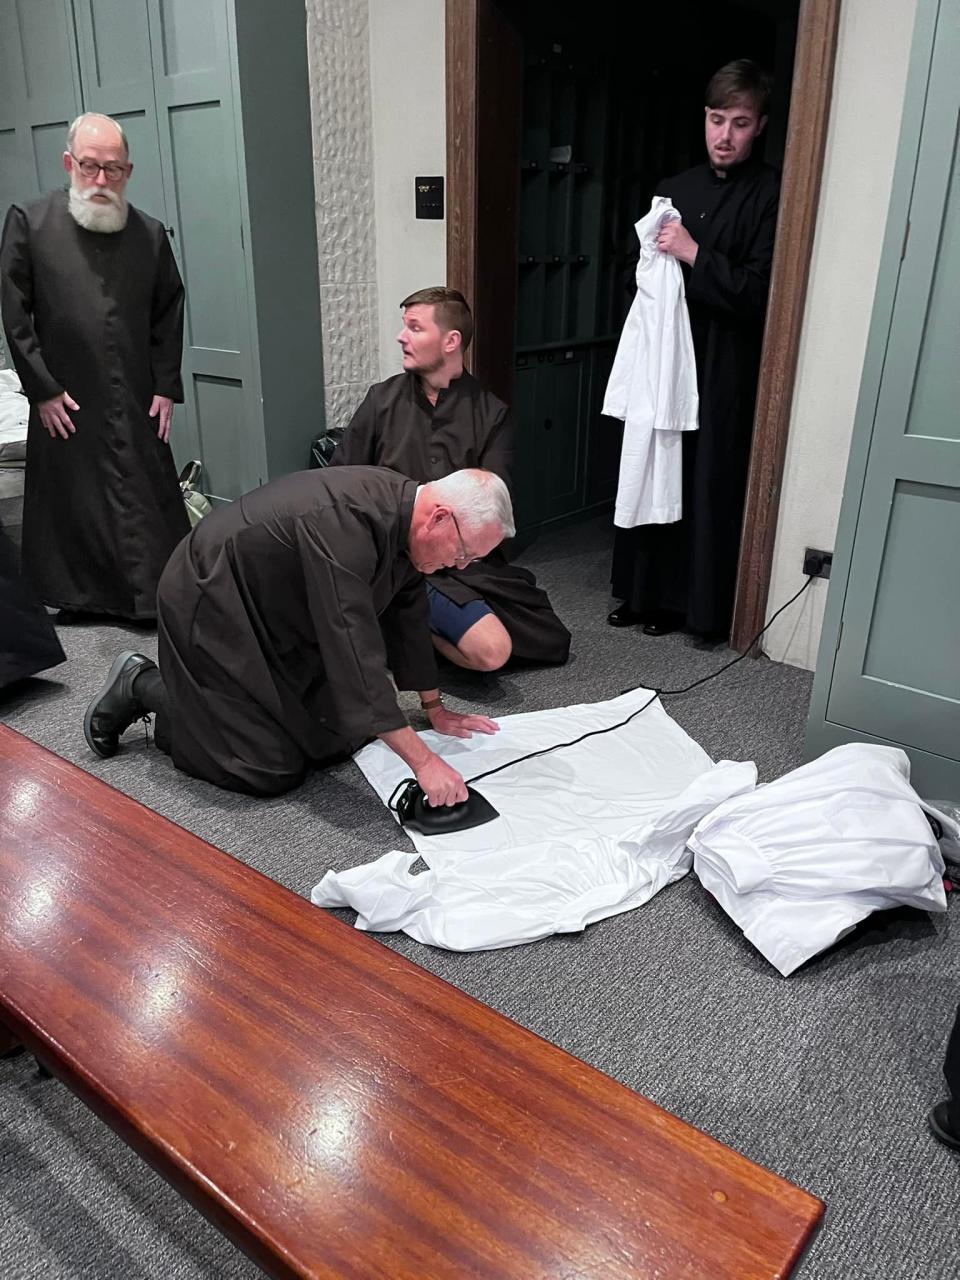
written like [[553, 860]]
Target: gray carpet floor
[[824, 1077]]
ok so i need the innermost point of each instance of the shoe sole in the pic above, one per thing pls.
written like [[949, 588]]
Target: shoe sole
[[948, 1138], [112, 674]]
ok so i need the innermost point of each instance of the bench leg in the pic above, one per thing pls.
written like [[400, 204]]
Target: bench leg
[[9, 1043]]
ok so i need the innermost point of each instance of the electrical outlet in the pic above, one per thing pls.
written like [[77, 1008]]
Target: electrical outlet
[[816, 564]]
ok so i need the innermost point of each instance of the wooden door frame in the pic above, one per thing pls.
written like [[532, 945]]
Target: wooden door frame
[[810, 97]]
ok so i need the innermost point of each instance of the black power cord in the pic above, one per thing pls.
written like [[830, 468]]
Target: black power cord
[[657, 693]]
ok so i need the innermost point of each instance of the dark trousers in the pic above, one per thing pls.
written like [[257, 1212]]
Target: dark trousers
[[152, 694], [951, 1068]]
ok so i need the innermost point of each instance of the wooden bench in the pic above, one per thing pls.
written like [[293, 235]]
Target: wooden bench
[[333, 1108]]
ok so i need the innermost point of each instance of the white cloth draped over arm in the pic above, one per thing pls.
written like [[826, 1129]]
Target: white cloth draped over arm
[[653, 383]]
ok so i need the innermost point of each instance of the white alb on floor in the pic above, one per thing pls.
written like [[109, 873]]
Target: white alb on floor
[[584, 833], [798, 862]]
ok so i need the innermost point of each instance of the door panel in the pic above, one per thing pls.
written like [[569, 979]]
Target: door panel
[[191, 39], [39, 96], [46, 50], [117, 35], [116, 73], [218, 405], [559, 434], [526, 497], [47, 143], [214, 316], [198, 129], [606, 434], [896, 673], [902, 651], [935, 396]]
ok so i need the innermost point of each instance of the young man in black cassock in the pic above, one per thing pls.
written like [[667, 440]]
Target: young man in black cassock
[[683, 575], [93, 313], [430, 420]]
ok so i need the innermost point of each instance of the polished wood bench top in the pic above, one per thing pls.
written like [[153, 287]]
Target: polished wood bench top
[[336, 1110]]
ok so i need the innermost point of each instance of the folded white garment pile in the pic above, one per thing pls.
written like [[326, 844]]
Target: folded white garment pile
[[583, 833], [14, 414], [798, 862]]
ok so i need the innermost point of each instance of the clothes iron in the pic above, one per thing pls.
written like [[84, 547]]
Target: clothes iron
[[410, 805]]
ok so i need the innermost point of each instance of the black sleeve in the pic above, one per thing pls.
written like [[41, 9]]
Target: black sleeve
[[497, 454], [16, 303], [737, 287], [406, 632], [348, 630], [166, 326], [357, 447]]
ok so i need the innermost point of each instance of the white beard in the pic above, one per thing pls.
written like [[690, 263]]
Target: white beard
[[98, 217]]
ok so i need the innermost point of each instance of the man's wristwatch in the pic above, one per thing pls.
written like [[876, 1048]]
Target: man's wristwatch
[[431, 703]]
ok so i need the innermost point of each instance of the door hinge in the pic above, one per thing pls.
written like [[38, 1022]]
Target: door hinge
[[906, 237], [839, 636]]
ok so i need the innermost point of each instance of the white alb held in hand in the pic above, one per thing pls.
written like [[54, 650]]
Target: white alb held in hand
[[653, 383]]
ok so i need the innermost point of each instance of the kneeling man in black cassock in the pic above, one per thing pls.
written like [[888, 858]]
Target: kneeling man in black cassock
[[432, 419], [282, 616]]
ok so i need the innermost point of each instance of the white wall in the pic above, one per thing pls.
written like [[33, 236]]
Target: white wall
[[872, 55], [409, 138], [339, 61]]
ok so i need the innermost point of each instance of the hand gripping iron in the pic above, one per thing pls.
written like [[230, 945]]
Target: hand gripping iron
[[410, 805]]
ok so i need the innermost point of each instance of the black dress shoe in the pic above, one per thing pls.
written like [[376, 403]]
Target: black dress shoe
[[663, 624], [943, 1124], [115, 707], [623, 616]]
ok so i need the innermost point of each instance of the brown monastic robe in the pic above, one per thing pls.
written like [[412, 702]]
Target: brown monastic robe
[[280, 620]]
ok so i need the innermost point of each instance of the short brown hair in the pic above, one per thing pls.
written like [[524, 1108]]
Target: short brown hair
[[450, 310], [740, 79]]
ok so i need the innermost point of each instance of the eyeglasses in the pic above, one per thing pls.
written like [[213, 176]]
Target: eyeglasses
[[90, 169], [464, 558]]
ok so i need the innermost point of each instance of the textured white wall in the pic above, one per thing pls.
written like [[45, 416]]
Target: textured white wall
[[339, 55], [872, 55], [407, 76]]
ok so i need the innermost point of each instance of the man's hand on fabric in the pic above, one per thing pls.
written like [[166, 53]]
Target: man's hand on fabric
[[455, 725], [675, 239], [162, 406], [441, 784], [54, 416]]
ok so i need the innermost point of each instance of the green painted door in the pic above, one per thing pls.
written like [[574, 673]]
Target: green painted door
[[889, 667], [116, 77], [201, 160], [39, 96], [164, 69]]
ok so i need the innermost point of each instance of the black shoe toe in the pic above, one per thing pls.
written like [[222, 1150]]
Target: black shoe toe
[[940, 1120], [663, 624], [622, 616], [115, 707]]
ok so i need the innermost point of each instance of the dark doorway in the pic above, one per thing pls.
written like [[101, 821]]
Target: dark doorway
[[611, 103]]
